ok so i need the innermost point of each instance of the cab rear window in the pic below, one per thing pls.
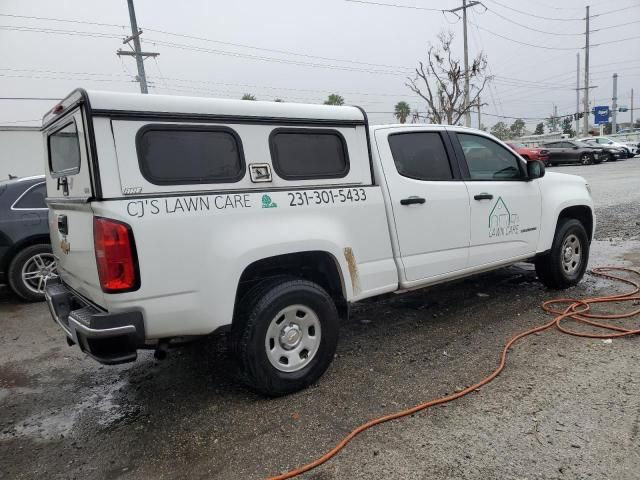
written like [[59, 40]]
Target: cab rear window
[[182, 155], [64, 150]]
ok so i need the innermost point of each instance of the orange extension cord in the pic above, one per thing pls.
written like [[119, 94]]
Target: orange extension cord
[[576, 310]]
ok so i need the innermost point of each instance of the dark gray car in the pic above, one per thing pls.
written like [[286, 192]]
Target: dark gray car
[[26, 261], [569, 151]]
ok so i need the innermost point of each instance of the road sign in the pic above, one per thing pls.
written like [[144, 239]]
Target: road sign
[[601, 114]]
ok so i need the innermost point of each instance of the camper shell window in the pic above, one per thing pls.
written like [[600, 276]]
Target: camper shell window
[[64, 150], [186, 154], [302, 154]]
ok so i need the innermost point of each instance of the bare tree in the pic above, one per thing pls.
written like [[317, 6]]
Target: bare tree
[[440, 82]]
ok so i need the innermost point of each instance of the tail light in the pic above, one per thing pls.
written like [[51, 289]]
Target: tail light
[[115, 256]]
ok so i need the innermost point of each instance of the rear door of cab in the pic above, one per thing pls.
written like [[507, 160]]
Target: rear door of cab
[[70, 188]]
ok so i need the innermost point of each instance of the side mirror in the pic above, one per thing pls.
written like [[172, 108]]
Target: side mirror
[[535, 169], [575, 147]]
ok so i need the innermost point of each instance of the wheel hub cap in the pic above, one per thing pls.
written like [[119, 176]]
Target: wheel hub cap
[[571, 254], [290, 336], [293, 338]]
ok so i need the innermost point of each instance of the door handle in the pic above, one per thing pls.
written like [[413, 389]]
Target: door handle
[[483, 196], [412, 200]]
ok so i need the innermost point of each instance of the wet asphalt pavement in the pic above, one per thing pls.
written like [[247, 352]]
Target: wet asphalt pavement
[[565, 408]]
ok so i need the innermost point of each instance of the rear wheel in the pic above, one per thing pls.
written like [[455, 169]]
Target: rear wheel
[[586, 159], [566, 262], [29, 271], [285, 335]]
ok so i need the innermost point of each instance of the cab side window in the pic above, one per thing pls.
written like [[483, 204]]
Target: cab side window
[[488, 160], [420, 155]]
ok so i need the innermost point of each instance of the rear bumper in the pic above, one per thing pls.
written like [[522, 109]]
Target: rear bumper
[[109, 338]]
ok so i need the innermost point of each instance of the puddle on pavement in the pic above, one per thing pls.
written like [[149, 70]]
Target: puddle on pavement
[[100, 404], [616, 253]]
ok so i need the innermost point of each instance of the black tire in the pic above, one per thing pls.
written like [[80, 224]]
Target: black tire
[[257, 312], [586, 159], [552, 269], [612, 157], [14, 272]]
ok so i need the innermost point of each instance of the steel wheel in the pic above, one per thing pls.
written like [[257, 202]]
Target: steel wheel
[[37, 270], [293, 338], [571, 254]]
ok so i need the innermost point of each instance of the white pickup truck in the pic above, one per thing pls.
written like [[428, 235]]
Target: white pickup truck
[[176, 217]]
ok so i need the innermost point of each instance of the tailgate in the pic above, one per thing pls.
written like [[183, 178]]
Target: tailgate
[[70, 189]]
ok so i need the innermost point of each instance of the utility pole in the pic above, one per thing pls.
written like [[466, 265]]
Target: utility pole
[[555, 118], [631, 110], [586, 77], [577, 121], [465, 5], [137, 51], [614, 104]]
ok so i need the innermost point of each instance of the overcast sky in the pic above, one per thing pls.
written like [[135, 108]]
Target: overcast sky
[[303, 50]]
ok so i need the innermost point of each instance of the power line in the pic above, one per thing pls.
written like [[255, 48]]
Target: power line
[[56, 31], [380, 4], [100, 74], [273, 50], [196, 48], [534, 15], [29, 98], [522, 43], [205, 39], [546, 32], [614, 26], [39, 120], [615, 11], [615, 41], [63, 20]]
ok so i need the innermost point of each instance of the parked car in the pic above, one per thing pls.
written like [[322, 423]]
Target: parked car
[[26, 260], [609, 153], [531, 153], [267, 220], [605, 141], [570, 151]]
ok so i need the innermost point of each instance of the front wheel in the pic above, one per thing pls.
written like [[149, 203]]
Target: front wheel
[[566, 262], [285, 335], [29, 271], [586, 159]]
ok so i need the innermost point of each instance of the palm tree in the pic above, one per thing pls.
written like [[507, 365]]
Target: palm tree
[[248, 96], [334, 99], [402, 111]]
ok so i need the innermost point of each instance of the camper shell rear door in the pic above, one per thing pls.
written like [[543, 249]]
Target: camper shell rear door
[[71, 186]]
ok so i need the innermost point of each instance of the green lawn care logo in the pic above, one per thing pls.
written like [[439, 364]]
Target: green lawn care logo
[[267, 202], [502, 222]]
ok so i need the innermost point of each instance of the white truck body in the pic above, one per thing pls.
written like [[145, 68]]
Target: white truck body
[[361, 230]]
